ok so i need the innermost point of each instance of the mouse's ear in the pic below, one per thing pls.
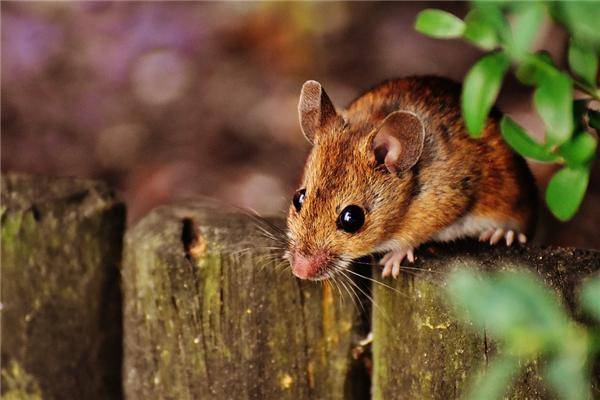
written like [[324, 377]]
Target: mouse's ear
[[315, 109], [398, 143]]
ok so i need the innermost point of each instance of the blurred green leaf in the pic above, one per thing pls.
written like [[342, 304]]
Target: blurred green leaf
[[581, 19], [525, 25], [567, 373], [535, 67], [590, 297], [492, 383], [464, 287], [583, 62], [566, 190], [554, 103], [522, 143], [479, 31], [594, 119], [579, 150], [513, 306], [527, 321], [490, 13], [545, 317], [481, 86], [439, 24]]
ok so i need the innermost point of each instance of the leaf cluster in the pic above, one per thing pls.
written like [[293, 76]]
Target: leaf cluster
[[528, 322], [508, 31]]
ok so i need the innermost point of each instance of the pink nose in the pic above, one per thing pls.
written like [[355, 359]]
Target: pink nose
[[308, 267]]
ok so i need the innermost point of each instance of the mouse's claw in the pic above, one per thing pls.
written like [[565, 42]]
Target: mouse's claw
[[391, 261], [510, 236], [486, 235], [522, 238], [495, 235]]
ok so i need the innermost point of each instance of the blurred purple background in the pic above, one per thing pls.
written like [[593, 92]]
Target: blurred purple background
[[173, 100]]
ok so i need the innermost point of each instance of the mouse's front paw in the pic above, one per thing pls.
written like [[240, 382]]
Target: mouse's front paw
[[494, 236], [391, 261]]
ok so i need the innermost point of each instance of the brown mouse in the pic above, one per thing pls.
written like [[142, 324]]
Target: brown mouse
[[397, 168]]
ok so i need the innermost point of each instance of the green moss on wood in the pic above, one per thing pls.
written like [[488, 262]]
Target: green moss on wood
[[61, 245], [226, 323], [17, 384]]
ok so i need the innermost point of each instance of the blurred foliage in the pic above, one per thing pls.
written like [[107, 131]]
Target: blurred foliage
[[509, 30], [522, 315], [518, 311], [527, 321]]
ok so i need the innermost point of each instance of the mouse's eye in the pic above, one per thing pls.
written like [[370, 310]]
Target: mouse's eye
[[351, 219], [299, 199]]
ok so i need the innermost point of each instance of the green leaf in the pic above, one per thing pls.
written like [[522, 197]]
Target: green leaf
[[439, 24], [581, 19], [567, 373], [527, 20], [481, 86], [465, 288], [479, 31], [513, 307], [590, 297], [535, 68], [579, 150], [493, 383], [554, 103], [545, 319], [565, 191], [522, 143], [594, 119], [583, 62], [491, 14]]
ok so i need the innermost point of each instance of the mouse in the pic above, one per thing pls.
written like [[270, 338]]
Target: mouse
[[395, 169]]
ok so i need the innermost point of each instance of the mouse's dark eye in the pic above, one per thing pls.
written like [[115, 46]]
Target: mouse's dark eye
[[299, 199], [351, 219]]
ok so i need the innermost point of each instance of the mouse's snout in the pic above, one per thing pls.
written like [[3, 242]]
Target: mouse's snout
[[309, 266]]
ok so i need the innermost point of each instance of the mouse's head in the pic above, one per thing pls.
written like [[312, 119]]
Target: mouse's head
[[356, 184]]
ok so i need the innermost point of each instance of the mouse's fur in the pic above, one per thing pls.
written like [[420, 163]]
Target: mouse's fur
[[458, 186]]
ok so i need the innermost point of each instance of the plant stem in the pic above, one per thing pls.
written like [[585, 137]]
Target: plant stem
[[586, 89]]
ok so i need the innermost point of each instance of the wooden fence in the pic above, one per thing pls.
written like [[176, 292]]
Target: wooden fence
[[207, 310]]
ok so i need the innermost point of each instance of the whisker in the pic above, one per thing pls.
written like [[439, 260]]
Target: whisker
[[356, 298], [403, 267], [379, 309], [352, 299], [240, 251], [332, 282], [376, 281]]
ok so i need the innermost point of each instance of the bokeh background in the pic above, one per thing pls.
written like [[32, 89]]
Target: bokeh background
[[167, 100]]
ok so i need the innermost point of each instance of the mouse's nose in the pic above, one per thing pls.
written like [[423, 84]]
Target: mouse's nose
[[308, 267]]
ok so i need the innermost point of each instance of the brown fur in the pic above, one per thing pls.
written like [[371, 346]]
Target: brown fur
[[455, 175]]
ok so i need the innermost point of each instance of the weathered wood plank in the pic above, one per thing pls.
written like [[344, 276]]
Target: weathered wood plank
[[61, 305], [421, 351], [209, 314], [223, 322]]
